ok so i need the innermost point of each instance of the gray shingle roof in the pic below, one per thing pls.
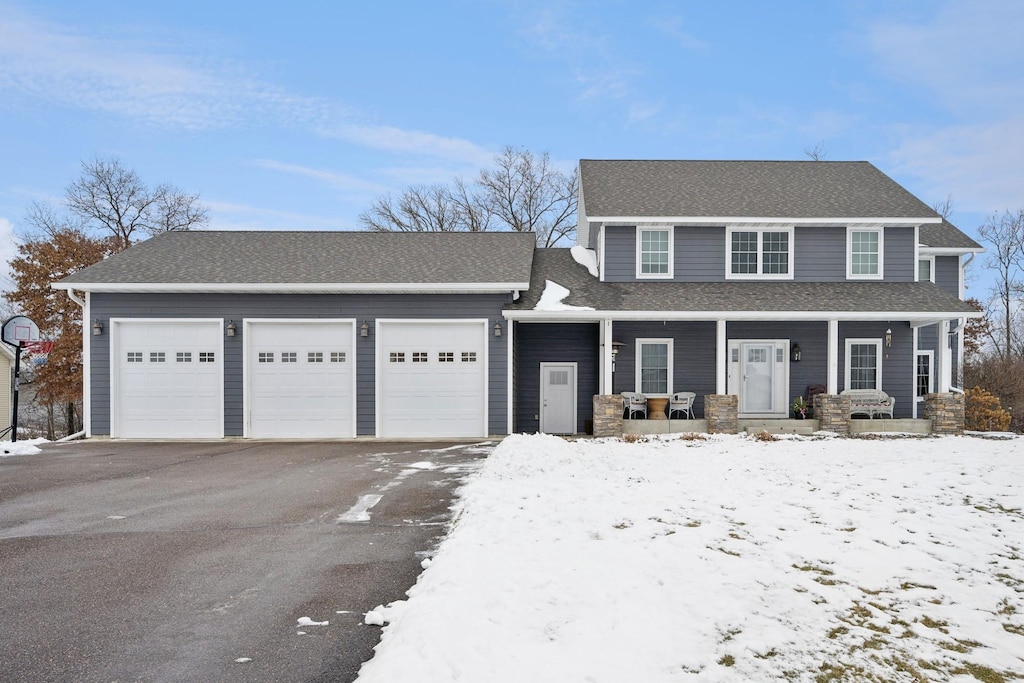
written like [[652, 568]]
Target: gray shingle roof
[[945, 235], [323, 258], [768, 189], [558, 266]]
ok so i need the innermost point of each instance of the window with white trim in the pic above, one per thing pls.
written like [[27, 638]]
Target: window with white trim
[[314, 356], [654, 252], [923, 374], [926, 269], [289, 356], [207, 357], [864, 253], [759, 253], [183, 357], [654, 366], [863, 363]]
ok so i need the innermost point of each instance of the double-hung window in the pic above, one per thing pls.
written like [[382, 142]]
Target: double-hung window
[[926, 269], [654, 252], [759, 253], [863, 363], [864, 253], [654, 366], [923, 374]]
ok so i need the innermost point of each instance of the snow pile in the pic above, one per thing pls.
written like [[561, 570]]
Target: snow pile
[[306, 621], [586, 258], [552, 296], [30, 447], [724, 559]]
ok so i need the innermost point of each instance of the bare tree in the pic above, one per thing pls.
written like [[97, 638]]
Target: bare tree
[[418, 209], [1005, 232], [817, 153], [945, 207]]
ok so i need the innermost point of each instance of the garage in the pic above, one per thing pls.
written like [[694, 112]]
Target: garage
[[167, 379], [432, 378], [300, 378]]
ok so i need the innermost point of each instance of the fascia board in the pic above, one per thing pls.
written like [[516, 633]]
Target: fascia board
[[581, 316], [297, 287], [949, 251], [825, 220]]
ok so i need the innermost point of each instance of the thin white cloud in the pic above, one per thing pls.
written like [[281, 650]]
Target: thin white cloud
[[673, 27], [340, 181], [8, 250], [232, 216], [392, 139]]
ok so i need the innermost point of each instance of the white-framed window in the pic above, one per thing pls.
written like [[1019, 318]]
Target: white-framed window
[[266, 357], [207, 357], [654, 366], [761, 253], [865, 253], [419, 357], [314, 356], [183, 357], [135, 356], [926, 269], [863, 363], [157, 357], [654, 252], [337, 356], [445, 356], [923, 374], [289, 356]]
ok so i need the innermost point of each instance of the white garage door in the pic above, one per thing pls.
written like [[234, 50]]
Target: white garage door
[[168, 379], [432, 378], [301, 378]]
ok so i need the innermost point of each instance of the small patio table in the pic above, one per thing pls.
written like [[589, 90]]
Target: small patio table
[[656, 408]]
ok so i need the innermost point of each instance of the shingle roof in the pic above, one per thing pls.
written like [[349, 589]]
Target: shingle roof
[[766, 189], [945, 235], [558, 266], [295, 258]]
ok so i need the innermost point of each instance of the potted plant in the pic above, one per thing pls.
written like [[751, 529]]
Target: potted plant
[[799, 408]]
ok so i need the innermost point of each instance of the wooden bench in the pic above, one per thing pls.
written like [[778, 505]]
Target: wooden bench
[[870, 402]]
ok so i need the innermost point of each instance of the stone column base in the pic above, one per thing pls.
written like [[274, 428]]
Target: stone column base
[[607, 415], [946, 411], [721, 411], [833, 413]]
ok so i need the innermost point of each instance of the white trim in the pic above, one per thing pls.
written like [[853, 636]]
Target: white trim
[[838, 221], [87, 363], [729, 275], [298, 287], [878, 359], [638, 364], [601, 256], [880, 275], [722, 358], [915, 339], [926, 317], [931, 373], [575, 390], [640, 275], [247, 324], [950, 251], [510, 375], [832, 380], [931, 268], [780, 379], [943, 359], [605, 333]]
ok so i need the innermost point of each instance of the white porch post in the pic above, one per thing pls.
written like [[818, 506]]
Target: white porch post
[[943, 361], [605, 380], [833, 357], [722, 358]]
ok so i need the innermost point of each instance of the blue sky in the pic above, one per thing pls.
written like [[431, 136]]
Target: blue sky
[[297, 116]]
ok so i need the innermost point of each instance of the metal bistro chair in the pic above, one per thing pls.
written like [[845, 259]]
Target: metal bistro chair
[[682, 402], [633, 403]]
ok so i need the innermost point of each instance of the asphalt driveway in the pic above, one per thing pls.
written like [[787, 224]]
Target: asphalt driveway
[[195, 561]]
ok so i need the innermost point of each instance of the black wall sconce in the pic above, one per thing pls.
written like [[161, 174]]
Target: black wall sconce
[[794, 352], [364, 329], [97, 328], [497, 329], [230, 329]]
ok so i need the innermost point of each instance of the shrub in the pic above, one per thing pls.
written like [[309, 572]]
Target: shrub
[[983, 412]]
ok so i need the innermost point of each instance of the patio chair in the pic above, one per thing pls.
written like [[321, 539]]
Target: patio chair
[[682, 402], [633, 403]]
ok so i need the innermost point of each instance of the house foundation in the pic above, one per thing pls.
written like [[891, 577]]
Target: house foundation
[[833, 413], [946, 411], [607, 415], [721, 412]]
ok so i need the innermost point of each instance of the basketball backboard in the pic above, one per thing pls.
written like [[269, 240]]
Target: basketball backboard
[[19, 330]]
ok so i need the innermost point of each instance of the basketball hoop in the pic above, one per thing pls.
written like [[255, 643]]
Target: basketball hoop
[[19, 331], [38, 347]]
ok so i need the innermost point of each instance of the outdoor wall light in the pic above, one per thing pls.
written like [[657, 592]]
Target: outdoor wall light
[[795, 353], [497, 329], [230, 329], [97, 328], [888, 337], [364, 329], [616, 345]]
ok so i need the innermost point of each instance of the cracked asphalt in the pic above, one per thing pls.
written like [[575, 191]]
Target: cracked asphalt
[[127, 561]]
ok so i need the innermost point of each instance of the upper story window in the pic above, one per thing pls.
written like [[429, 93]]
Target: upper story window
[[759, 253], [926, 269], [864, 253], [654, 252]]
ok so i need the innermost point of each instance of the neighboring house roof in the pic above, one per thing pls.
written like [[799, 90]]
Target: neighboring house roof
[[945, 235], [315, 261], [819, 300], [751, 189]]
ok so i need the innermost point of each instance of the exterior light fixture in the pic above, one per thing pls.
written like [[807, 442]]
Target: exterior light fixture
[[230, 329], [795, 353], [497, 329], [97, 328], [888, 337], [364, 330], [616, 345]]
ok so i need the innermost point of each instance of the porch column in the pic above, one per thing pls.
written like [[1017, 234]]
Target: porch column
[[605, 379], [832, 384], [943, 360], [722, 358]]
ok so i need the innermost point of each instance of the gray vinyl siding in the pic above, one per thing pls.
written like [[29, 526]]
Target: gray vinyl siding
[[238, 307], [619, 253], [898, 361], [947, 274], [900, 255], [538, 343], [700, 254], [819, 254], [693, 358], [812, 338]]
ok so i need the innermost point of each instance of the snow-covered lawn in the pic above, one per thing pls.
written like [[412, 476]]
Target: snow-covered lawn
[[29, 447], [726, 559]]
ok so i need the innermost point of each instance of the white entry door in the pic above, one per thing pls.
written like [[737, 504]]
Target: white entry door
[[759, 375], [558, 398], [300, 378]]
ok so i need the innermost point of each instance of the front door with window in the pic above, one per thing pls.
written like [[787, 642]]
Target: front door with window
[[558, 398], [759, 376]]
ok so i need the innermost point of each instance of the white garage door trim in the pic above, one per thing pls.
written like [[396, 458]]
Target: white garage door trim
[[381, 339], [214, 329], [297, 323]]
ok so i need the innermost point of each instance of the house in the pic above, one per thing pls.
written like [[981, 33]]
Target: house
[[737, 279]]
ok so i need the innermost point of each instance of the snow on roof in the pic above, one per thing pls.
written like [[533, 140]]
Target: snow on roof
[[552, 297]]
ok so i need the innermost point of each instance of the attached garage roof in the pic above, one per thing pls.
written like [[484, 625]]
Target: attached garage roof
[[752, 299], [315, 261], [945, 235]]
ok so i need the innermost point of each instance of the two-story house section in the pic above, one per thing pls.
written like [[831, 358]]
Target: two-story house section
[[752, 278]]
